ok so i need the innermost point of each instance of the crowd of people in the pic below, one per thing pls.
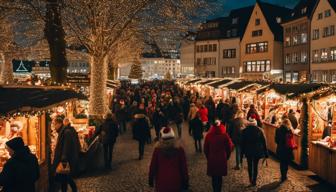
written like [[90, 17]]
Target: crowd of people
[[163, 106]]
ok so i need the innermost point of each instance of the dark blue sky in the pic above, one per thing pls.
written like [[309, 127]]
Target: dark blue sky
[[227, 5]]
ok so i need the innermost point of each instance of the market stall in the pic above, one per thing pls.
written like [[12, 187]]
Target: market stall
[[244, 92], [24, 113], [322, 134], [189, 85], [274, 102], [202, 88], [216, 90]]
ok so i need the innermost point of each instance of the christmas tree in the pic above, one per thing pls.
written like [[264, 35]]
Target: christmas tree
[[168, 76], [136, 71]]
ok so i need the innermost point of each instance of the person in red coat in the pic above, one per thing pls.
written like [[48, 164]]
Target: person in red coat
[[217, 148], [168, 167], [203, 111]]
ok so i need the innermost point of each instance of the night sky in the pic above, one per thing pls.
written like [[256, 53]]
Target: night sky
[[227, 5]]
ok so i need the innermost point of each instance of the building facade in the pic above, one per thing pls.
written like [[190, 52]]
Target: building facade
[[157, 68], [296, 55], [261, 45], [187, 57], [217, 47], [323, 42]]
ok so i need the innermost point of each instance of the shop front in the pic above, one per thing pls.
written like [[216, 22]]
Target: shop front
[[275, 103], [322, 146], [25, 112]]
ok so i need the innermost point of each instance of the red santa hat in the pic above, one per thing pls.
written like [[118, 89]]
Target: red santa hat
[[167, 133]]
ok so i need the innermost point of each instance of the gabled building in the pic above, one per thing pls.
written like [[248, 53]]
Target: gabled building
[[323, 42], [217, 45], [261, 45], [296, 33]]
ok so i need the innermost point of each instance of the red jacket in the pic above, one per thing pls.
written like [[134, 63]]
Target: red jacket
[[169, 172], [217, 148], [203, 111]]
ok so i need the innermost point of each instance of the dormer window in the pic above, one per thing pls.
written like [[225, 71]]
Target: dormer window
[[235, 20], [304, 10], [278, 19]]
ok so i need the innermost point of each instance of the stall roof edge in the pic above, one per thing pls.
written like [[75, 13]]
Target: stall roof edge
[[23, 99]]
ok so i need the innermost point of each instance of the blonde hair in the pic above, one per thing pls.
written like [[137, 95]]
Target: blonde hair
[[240, 114]]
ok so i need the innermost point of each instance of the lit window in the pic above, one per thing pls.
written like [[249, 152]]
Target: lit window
[[304, 37]]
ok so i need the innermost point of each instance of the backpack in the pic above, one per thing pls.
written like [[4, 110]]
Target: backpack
[[290, 141]]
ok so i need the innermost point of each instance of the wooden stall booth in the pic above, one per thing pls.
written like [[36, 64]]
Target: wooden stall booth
[[202, 89], [274, 102], [216, 90], [189, 85], [322, 134], [24, 113], [245, 93]]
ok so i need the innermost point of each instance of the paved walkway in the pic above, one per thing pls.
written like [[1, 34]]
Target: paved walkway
[[131, 175]]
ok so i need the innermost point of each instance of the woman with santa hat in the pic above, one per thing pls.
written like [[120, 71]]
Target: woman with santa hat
[[168, 168], [217, 148]]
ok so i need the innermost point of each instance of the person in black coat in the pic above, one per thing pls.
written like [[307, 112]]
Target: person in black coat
[[219, 109], [159, 121], [122, 114], [141, 132], [108, 133], [22, 170], [66, 151], [196, 127], [284, 153], [253, 144], [211, 106], [186, 107]]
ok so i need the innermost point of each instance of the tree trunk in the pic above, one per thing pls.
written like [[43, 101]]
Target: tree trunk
[[55, 35], [6, 75], [97, 103]]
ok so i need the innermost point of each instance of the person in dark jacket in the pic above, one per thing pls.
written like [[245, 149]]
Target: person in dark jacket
[[219, 109], [226, 112], [211, 106], [284, 153], [159, 121], [238, 124], [141, 132], [186, 107], [21, 171], [293, 119], [217, 148], [168, 167], [177, 113], [253, 143], [108, 133], [66, 151], [122, 113], [196, 127]]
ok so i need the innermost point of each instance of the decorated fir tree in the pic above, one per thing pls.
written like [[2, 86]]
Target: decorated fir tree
[[136, 70], [168, 76]]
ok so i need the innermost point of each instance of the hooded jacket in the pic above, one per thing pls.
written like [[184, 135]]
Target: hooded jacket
[[20, 172], [168, 167], [217, 148]]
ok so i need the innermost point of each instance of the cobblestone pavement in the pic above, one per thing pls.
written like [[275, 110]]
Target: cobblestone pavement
[[131, 175]]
